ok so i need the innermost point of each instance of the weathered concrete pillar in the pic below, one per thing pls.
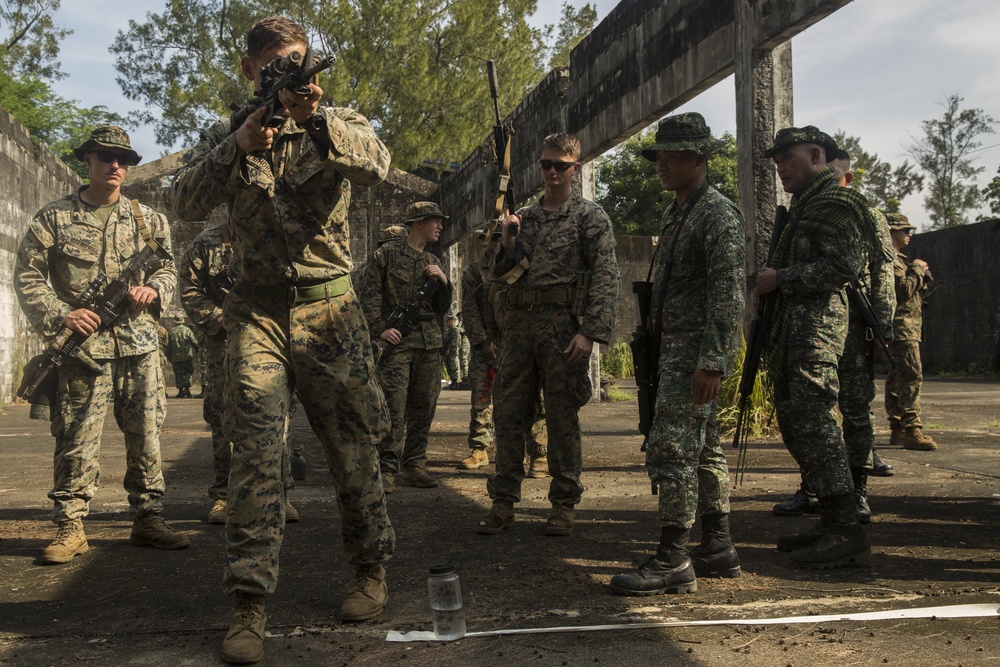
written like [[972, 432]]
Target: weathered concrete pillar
[[586, 185]]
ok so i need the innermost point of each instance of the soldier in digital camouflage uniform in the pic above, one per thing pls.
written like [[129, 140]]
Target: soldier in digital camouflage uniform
[[67, 244], [205, 278], [464, 349], [856, 370], [902, 386], [163, 343], [698, 284], [482, 368], [183, 346], [451, 344], [549, 316], [293, 323], [409, 369], [818, 253]]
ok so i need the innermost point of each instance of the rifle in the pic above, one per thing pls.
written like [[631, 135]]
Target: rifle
[[289, 71], [759, 329], [501, 153], [108, 301], [406, 317], [859, 300], [645, 356]]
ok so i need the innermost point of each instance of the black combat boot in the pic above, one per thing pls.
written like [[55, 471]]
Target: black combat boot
[[803, 502], [860, 476], [879, 467], [669, 571], [842, 543], [715, 556]]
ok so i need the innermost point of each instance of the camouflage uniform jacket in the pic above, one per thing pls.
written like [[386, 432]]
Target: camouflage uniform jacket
[[206, 276], [818, 253], [393, 276], [561, 245], [65, 247], [704, 292], [288, 209], [912, 282], [474, 293], [182, 343], [877, 274]]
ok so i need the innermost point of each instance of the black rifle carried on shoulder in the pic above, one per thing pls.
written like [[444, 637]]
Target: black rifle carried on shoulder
[[108, 300], [759, 329], [293, 71], [873, 328], [501, 154], [406, 317]]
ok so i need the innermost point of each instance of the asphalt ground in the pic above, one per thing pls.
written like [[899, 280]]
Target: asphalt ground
[[934, 538]]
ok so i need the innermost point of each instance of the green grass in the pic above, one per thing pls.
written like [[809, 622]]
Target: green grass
[[994, 424], [761, 418], [616, 395], [935, 427], [618, 361]]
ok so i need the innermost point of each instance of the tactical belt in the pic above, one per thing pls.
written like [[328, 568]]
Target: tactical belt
[[560, 296], [293, 294]]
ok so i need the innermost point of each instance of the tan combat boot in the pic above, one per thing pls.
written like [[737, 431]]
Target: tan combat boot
[[388, 481], [244, 643], [291, 512], [217, 514], [152, 531], [914, 438], [367, 594], [70, 541], [561, 520], [417, 476], [538, 467], [896, 436], [500, 518], [477, 458]]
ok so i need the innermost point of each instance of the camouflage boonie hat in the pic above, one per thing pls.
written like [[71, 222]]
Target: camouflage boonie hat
[[683, 132], [422, 210], [810, 134], [107, 136], [391, 234], [898, 221]]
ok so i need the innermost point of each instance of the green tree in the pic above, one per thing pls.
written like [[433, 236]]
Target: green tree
[[992, 195], [574, 25], [631, 193], [52, 120], [944, 152], [29, 38], [884, 185], [415, 68]]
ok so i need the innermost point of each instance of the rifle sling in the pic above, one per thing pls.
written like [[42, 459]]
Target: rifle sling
[[140, 221]]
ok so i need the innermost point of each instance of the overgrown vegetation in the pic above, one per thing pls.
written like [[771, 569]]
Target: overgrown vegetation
[[616, 395], [617, 361], [760, 419]]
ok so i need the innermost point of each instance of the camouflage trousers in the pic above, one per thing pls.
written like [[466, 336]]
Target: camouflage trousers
[[531, 359], [481, 416], [134, 385], [183, 370], [804, 401], [684, 457], [213, 393], [411, 380], [857, 391], [453, 365], [902, 386], [464, 355], [322, 350]]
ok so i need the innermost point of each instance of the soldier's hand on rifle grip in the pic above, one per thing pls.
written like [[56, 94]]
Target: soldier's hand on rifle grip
[[301, 107], [489, 350], [83, 321], [705, 386], [141, 296], [434, 271], [391, 336], [767, 280], [253, 136], [511, 228]]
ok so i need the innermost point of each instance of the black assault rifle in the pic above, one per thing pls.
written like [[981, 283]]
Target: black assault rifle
[[645, 356], [108, 300], [873, 328], [406, 317], [501, 154], [292, 71]]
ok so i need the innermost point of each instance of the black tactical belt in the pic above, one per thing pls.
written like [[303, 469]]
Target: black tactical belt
[[560, 296], [293, 294]]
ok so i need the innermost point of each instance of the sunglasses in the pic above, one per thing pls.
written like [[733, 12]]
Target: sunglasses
[[107, 157], [558, 166]]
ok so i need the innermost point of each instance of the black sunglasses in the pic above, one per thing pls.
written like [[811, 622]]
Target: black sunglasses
[[107, 157], [559, 166]]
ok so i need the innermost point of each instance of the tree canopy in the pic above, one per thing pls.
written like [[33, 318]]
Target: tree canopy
[[415, 68], [29, 38], [883, 184]]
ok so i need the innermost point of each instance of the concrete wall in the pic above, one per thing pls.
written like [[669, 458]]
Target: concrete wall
[[634, 254], [959, 321], [30, 177]]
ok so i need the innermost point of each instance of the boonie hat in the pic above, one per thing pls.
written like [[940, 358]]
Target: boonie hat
[[683, 132], [810, 134], [898, 221], [422, 210], [107, 136], [391, 234]]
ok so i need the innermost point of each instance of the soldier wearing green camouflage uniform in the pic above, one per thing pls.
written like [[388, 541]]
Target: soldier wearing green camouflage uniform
[[902, 386], [293, 323], [464, 350], [549, 315], [451, 350], [409, 369], [698, 284], [183, 346], [817, 254], [67, 244], [163, 344], [205, 279]]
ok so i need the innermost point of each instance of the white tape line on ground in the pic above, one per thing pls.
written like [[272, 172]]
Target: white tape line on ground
[[950, 611]]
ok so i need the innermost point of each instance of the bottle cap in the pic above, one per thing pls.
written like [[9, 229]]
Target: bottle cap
[[444, 568]]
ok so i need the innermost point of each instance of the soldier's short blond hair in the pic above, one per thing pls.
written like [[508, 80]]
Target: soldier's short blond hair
[[564, 142], [274, 31]]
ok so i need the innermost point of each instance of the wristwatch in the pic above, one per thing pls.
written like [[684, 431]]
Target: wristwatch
[[155, 285], [315, 123]]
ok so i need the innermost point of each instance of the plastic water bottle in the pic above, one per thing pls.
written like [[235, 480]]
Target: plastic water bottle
[[298, 465], [445, 592]]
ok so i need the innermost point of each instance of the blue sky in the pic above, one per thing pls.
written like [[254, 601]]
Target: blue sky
[[875, 69]]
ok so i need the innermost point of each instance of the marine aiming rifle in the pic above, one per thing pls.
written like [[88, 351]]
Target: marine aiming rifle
[[293, 71], [108, 300], [406, 317], [759, 329], [873, 328]]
